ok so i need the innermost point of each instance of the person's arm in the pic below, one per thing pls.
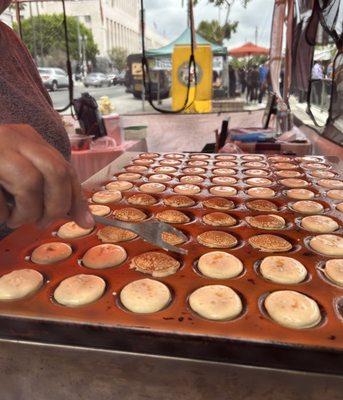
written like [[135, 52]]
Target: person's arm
[[43, 184]]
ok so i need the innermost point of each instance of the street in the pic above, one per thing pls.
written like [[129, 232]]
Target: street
[[123, 102]]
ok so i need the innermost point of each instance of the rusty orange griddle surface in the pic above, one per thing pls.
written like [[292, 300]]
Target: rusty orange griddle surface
[[253, 325]]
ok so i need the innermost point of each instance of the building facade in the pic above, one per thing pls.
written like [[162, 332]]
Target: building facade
[[114, 23]]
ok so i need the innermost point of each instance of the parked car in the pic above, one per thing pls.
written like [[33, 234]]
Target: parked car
[[54, 78], [97, 79], [113, 76], [121, 78]]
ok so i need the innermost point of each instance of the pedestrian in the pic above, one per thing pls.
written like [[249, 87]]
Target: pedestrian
[[317, 77], [242, 79], [254, 83], [263, 85], [232, 81]]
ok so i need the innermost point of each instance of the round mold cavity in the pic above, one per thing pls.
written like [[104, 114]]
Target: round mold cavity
[[28, 252], [196, 270], [322, 275], [307, 240]]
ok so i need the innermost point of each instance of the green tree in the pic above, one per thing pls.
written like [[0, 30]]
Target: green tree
[[49, 36], [118, 56], [216, 33]]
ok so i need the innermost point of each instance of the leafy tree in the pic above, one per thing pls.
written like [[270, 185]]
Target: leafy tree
[[118, 56], [49, 36], [216, 33]]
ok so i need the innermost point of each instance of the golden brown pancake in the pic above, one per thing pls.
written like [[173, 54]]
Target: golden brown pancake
[[143, 161], [107, 196], [334, 271], [319, 224], [129, 176], [155, 263], [224, 180], [199, 156], [187, 189], [335, 194], [322, 174], [149, 155], [294, 183], [50, 253], [219, 219], [279, 159], [270, 243], [268, 221], [119, 185], [252, 157], [152, 187], [284, 270], [104, 256], [224, 171], [140, 169], [327, 244], [112, 234], [129, 214], [197, 163], [307, 207], [165, 170], [225, 157], [71, 230], [20, 283], [285, 173], [160, 178], [256, 172], [330, 183], [193, 170], [191, 179], [225, 164], [142, 199], [255, 164], [219, 203], [176, 156], [172, 217], [261, 192], [315, 166], [97, 209], [172, 238], [179, 201], [300, 194], [224, 191], [261, 205], [219, 265], [171, 163], [258, 182], [284, 165], [217, 239], [339, 207]]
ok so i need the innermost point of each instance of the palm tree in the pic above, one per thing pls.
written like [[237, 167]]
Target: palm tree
[[216, 33]]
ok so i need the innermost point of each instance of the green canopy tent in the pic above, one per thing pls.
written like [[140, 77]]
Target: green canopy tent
[[184, 39]]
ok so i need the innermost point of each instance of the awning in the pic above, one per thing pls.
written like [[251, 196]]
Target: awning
[[248, 49]]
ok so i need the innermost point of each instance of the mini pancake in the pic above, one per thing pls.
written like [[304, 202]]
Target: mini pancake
[[142, 199], [261, 192], [153, 187], [159, 178], [330, 183], [199, 156], [334, 271], [223, 171], [335, 194], [285, 173], [50, 253], [112, 234], [224, 191], [187, 189], [149, 155], [285, 165], [319, 223], [219, 219], [191, 179], [143, 161], [307, 207], [145, 296], [270, 243], [224, 180], [19, 284], [197, 163], [194, 170], [172, 238], [284, 270], [179, 201], [176, 156], [107, 196], [119, 185], [219, 203], [300, 194], [225, 164], [220, 265], [104, 256], [258, 182], [308, 159], [170, 163], [225, 157], [172, 217], [129, 214], [322, 174], [279, 159], [129, 176], [315, 166], [261, 205], [79, 290], [217, 239], [97, 209], [294, 183], [255, 164], [256, 172], [268, 221], [292, 309], [71, 230], [252, 158], [165, 170], [155, 263], [216, 302], [140, 169], [327, 244], [339, 207]]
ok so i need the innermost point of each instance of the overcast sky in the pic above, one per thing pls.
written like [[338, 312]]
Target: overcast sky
[[169, 17]]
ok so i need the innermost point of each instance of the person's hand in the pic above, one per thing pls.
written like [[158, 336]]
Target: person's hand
[[43, 184]]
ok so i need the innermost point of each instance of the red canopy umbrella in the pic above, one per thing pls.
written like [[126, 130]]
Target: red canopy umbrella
[[248, 49]]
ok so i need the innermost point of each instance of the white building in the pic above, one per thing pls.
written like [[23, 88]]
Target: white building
[[114, 23]]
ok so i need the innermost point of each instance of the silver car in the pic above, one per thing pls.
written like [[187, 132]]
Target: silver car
[[54, 78], [97, 79]]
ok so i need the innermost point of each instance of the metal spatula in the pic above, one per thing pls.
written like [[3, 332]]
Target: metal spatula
[[150, 231]]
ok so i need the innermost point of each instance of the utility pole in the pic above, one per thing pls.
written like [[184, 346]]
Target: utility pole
[[256, 34]]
